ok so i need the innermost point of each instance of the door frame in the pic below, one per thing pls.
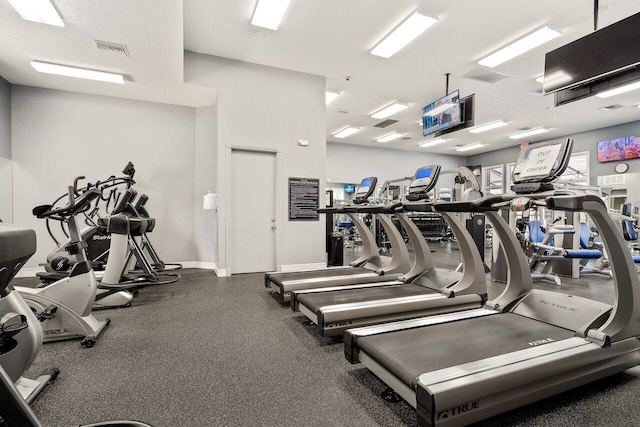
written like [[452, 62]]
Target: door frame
[[277, 195]]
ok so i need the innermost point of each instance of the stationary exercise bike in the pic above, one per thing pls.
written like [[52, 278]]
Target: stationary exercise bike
[[20, 334], [64, 307]]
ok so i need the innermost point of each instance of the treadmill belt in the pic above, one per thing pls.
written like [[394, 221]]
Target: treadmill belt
[[409, 353], [331, 272], [316, 300]]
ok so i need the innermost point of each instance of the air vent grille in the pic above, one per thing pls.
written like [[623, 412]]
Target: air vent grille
[[610, 179], [385, 123], [611, 107], [485, 76], [118, 48]]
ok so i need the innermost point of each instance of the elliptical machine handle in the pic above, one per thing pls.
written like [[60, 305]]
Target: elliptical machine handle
[[75, 183]]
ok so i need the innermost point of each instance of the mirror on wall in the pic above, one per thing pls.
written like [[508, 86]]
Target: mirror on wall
[[6, 190]]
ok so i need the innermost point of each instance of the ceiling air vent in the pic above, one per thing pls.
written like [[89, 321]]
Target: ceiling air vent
[[611, 107], [118, 48], [385, 123], [485, 76]]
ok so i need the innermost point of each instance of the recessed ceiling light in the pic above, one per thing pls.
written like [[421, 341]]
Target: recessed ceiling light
[[519, 47], [411, 28], [389, 137], [348, 131], [330, 95], [80, 73], [529, 133], [37, 11], [433, 142], [619, 90], [489, 126], [269, 13], [471, 146], [540, 79], [389, 110]]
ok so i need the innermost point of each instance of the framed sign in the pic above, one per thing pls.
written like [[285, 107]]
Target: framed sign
[[304, 196]]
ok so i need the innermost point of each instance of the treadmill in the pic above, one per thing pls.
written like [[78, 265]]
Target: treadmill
[[369, 268], [524, 345], [425, 291]]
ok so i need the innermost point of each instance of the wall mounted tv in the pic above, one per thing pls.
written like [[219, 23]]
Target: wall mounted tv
[[608, 51], [349, 188], [441, 114], [618, 149], [466, 113]]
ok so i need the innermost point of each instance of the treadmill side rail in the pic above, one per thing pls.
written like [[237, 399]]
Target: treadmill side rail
[[502, 386]]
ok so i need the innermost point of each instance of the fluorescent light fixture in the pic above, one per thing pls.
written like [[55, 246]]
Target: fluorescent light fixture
[[519, 47], [619, 90], [529, 133], [433, 142], [489, 126], [348, 131], [389, 110], [411, 28], [331, 95], [471, 146], [41, 11], [389, 137], [269, 13], [80, 73], [540, 79], [438, 110]]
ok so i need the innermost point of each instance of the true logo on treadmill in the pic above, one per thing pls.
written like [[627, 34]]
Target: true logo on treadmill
[[554, 305], [455, 411], [338, 324], [540, 342]]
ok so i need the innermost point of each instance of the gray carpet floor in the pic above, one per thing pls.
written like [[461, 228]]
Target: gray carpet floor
[[210, 351]]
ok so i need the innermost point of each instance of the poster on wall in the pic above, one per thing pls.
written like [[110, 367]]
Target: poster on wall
[[619, 149], [304, 196]]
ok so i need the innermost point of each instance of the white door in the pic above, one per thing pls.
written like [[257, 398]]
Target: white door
[[252, 213]]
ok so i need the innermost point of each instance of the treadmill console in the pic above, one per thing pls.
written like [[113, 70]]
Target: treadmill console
[[366, 189], [540, 164], [423, 181]]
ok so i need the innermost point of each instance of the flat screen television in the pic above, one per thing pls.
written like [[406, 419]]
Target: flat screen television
[[441, 114], [609, 50], [467, 114], [618, 149], [349, 188]]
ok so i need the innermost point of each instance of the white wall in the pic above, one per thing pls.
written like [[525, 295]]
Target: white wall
[[6, 166], [348, 163], [269, 108], [5, 119], [58, 135], [206, 146]]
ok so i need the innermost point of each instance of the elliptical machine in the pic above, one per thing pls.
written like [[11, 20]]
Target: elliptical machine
[[20, 334], [64, 307]]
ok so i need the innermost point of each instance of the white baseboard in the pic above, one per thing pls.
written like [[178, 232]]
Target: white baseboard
[[285, 268], [30, 272], [220, 272]]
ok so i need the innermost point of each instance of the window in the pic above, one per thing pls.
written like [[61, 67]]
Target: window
[[492, 180]]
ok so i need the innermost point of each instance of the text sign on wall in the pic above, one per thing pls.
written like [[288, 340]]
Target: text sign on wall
[[304, 196], [541, 161]]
